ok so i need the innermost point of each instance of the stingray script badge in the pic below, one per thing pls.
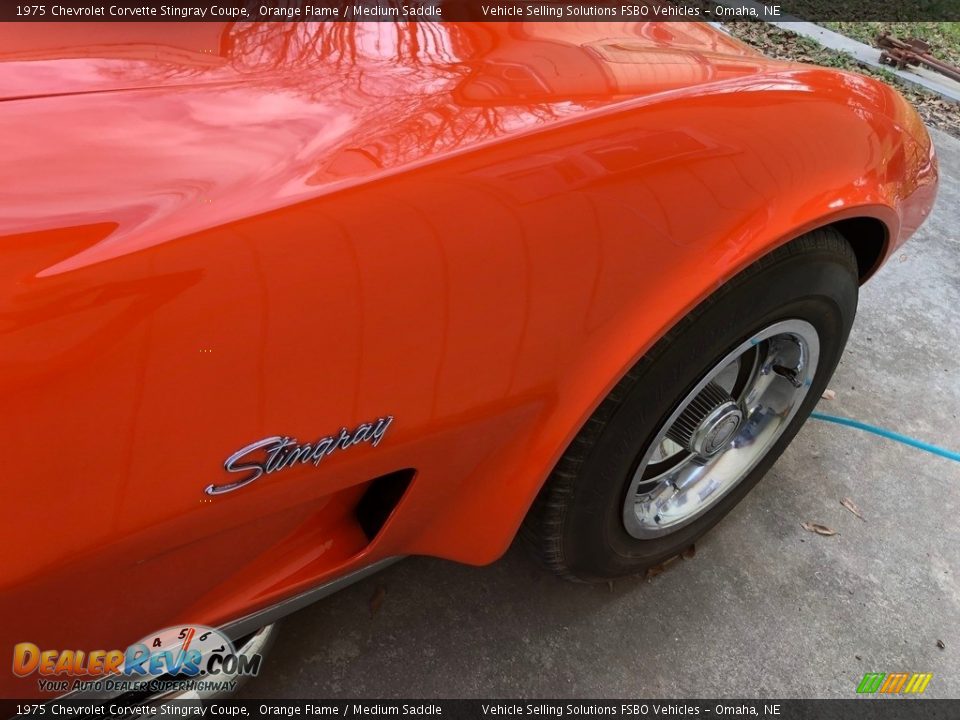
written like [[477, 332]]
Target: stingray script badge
[[276, 453]]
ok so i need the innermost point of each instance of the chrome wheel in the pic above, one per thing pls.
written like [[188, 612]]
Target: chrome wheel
[[720, 431]]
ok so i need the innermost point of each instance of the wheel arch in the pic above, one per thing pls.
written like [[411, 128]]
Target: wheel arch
[[867, 228], [758, 206], [869, 238]]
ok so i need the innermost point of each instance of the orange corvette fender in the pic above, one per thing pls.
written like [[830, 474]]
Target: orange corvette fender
[[702, 187]]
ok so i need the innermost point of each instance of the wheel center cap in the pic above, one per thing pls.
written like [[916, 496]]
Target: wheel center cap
[[716, 430]]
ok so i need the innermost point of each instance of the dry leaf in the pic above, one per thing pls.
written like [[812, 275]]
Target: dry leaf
[[657, 569], [379, 595], [941, 644], [829, 395], [689, 552], [817, 528], [851, 506]]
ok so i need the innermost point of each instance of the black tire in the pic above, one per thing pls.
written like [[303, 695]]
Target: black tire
[[576, 524]]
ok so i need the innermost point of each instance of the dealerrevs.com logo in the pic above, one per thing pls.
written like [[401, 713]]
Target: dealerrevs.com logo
[[193, 657]]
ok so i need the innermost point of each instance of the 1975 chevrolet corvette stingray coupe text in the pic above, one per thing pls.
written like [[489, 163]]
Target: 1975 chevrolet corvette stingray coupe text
[[283, 302]]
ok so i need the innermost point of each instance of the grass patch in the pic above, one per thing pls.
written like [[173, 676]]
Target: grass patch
[[943, 37], [787, 45]]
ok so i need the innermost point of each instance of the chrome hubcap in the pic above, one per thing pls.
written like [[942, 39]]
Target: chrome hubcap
[[721, 429], [707, 423]]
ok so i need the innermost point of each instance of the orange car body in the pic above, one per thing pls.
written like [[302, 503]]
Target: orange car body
[[216, 233]]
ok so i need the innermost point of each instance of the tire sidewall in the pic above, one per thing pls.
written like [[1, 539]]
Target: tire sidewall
[[815, 287]]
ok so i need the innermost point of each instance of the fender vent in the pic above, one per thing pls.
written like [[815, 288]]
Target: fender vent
[[381, 498]]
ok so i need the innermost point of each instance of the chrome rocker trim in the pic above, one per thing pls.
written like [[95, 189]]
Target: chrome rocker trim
[[255, 620]]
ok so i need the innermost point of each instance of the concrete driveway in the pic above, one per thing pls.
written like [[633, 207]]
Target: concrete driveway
[[765, 608]]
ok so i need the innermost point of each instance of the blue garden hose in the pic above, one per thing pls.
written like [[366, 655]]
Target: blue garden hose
[[890, 435]]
